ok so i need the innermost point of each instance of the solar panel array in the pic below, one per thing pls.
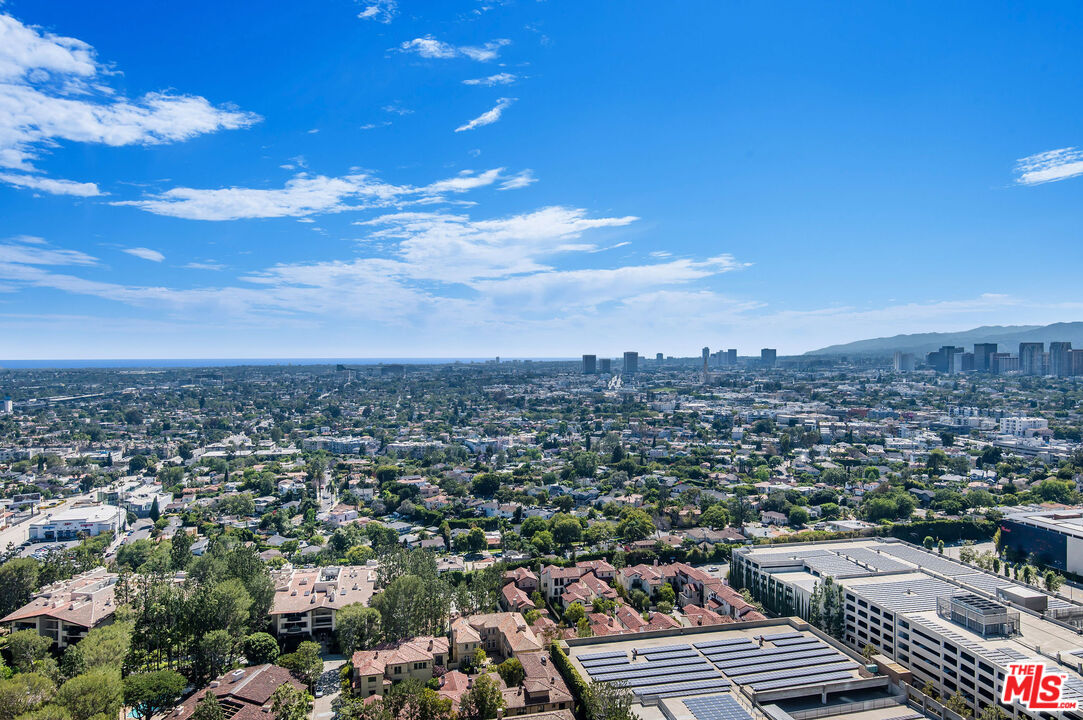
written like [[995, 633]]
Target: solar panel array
[[927, 560], [836, 566], [907, 595], [664, 671], [717, 707], [873, 559]]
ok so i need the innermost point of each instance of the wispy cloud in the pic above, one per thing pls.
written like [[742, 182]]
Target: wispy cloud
[[306, 195], [382, 11], [145, 254], [397, 109], [25, 250], [489, 116], [53, 89], [519, 180], [492, 80], [196, 265], [429, 47], [51, 185], [1049, 166]]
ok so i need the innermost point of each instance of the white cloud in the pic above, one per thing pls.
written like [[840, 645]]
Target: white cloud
[[51, 90], [51, 185], [1049, 166], [208, 265], [35, 251], [429, 47], [382, 11], [373, 126], [519, 180], [488, 117], [498, 79], [145, 253], [397, 109], [305, 195]]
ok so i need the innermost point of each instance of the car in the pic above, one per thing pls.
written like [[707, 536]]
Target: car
[[319, 692]]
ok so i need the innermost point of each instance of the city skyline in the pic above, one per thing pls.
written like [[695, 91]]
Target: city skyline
[[381, 179]]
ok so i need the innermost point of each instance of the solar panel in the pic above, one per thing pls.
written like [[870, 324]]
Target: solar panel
[[656, 657], [685, 688], [662, 649], [718, 707], [797, 641], [651, 672], [604, 661], [723, 643], [796, 681], [756, 652], [782, 636], [667, 683], [599, 656], [777, 665]]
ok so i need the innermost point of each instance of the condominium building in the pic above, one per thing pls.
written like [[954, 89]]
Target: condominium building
[[1022, 426], [66, 611], [955, 627], [306, 601]]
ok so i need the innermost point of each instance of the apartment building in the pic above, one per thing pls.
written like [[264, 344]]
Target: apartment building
[[501, 635], [66, 611], [953, 626], [306, 601]]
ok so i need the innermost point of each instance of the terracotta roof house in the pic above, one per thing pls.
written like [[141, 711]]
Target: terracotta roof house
[[244, 694], [514, 599], [542, 688], [376, 670], [501, 635], [66, 611], [523, 578]]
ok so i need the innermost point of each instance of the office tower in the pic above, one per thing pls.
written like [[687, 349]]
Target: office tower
[[1060, 359], [706, 358], [967, 361], [606, 365], [904, 362], [8, 405], [1002, 363], [631, 362], [659, 358], [590, 364], [983, 356], [1031, 356], [768, 356], [1077, 362], [731, 357]]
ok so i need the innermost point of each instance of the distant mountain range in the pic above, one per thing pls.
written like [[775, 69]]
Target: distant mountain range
[[1007, 337]]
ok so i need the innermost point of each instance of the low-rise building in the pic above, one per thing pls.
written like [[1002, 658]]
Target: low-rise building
[[73, 523], [66, 611], [306, 601]]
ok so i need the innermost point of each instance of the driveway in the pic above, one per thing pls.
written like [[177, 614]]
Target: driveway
[[328, 685]]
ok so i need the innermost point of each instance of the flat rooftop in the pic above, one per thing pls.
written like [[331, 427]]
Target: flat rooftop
[[740, 662]]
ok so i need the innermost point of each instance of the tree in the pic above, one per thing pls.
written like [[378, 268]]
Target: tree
[[261, 648], [574, 613], [798, 516], [567, 530], [958, 704], [511, 672], [305, 663], [715, 517], [929, 542], [155, 511], [18, 581], [27, 648], [23, 693], [608, 701], [289, 703], [97, 692], [214, 653], [532, 525], [993, 711], [357, 628], [1053, 581], [482, 701], [635, 525], [103, 646], [485, 484], [667, 594], [150, 693], [543, 542], [208, 708], [180, 552]]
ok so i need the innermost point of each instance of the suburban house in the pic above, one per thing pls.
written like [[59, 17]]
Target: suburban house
[[501, 635], [375, 671], [244, 694]]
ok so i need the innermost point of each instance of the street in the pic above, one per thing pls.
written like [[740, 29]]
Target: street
[[328, 687]]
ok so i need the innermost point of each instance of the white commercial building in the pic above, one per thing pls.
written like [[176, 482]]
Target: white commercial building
[[1021, 426], [70, 524]]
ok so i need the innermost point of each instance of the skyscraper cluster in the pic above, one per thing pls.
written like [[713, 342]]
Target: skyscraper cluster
[[1032, 359]]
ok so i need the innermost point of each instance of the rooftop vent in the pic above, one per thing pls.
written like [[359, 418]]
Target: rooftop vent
[[976, 613]]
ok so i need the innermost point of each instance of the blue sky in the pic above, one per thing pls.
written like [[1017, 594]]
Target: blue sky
[[464, 179]]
